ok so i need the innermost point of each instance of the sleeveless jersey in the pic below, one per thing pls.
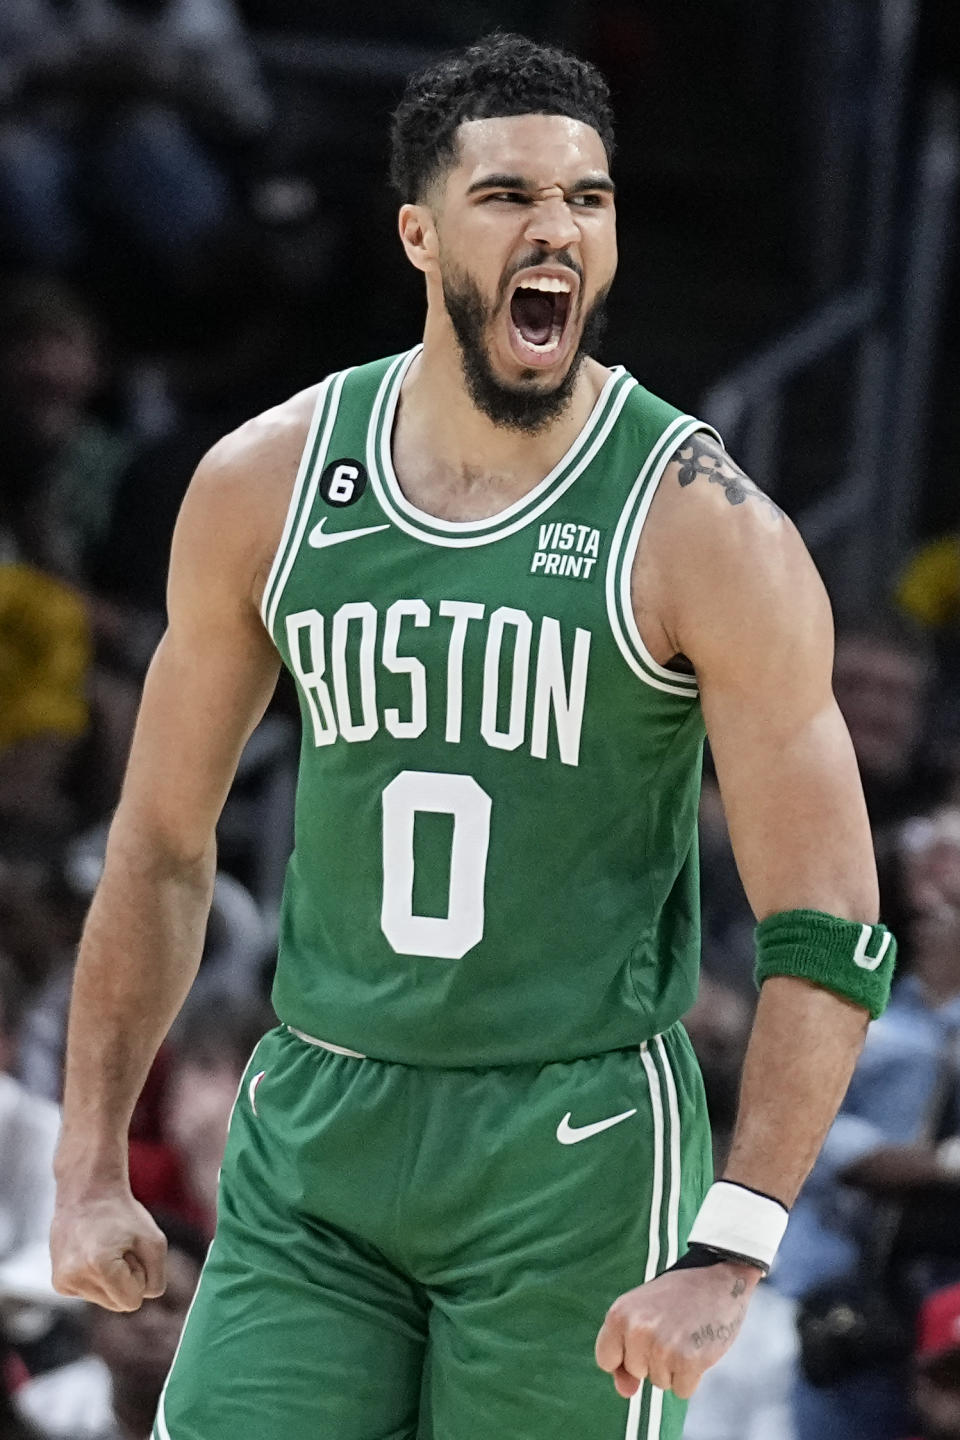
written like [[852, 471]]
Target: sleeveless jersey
[[495, 852]]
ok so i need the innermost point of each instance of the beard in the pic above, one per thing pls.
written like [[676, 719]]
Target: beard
[[524, 407]]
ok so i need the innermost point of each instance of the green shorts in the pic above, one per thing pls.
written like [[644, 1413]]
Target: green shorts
[[412, 1254]]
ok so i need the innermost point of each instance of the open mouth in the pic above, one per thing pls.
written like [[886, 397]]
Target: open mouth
[[539, 309]]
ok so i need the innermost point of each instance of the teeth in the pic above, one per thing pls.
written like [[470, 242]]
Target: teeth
[[549, 345], [546, 282]]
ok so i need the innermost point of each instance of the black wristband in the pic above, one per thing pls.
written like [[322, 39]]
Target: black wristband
[[698, 1257]]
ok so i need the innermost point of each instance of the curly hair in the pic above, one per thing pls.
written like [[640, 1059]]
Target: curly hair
[[500, 75]]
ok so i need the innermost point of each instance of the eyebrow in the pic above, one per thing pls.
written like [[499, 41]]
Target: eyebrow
[[519, 182]]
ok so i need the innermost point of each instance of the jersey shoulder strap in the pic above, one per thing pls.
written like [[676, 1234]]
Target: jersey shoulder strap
[[338, 427], [653, 431]]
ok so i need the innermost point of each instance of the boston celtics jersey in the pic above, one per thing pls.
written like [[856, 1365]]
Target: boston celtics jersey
[[495, 855]]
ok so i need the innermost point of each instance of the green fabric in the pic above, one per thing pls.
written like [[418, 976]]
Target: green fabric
[[409, 1253], [563, 918], [837, 954]]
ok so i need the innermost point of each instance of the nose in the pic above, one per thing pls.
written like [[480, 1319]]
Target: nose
[[552, 225]]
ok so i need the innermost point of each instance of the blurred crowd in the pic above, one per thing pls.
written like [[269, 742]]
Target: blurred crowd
[[856, 1333], [146, 191]]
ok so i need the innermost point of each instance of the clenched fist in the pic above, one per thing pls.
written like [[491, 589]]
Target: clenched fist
[[106, 1248], [675, 1327]]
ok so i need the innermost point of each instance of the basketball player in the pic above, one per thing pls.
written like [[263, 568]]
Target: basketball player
[[512, 585]]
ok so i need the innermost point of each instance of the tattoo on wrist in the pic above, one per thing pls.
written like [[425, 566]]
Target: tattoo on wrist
[[703, 459]]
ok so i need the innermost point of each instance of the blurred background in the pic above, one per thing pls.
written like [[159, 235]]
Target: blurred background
[[194, 223]]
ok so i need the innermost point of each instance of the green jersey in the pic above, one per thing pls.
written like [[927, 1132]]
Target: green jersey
[[495, 856]]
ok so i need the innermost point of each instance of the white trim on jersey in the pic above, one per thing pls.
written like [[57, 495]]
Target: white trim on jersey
[[301, 505], [461, 534], [623, 551], [303, 470]]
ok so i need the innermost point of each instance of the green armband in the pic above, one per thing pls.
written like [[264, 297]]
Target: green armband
[[854, 960]]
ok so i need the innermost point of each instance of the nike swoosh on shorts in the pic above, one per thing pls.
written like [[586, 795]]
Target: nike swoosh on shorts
[[569, 1134]]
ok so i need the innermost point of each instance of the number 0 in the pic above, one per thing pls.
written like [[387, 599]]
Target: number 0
[[448, 937]]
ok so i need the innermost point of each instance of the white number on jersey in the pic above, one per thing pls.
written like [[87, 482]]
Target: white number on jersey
[[448, 937]]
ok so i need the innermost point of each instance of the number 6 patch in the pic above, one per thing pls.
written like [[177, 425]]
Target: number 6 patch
[[343, 482]]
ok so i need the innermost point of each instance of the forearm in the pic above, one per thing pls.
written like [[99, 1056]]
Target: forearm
[[803, 1048], [139, 954]]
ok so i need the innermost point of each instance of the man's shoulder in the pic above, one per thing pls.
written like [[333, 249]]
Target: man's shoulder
[[269, 442], [246, 478], [233, 513], [719, 558], [701, 483], [267, 438], [713, 521], [704, 499]]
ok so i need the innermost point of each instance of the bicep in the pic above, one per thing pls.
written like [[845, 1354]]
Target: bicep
[[784, 759], [200, 704]]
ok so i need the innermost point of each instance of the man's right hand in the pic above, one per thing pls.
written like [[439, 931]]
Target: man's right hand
[[107, 1249]]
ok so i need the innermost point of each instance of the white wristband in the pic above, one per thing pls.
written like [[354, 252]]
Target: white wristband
[[740, 1221]]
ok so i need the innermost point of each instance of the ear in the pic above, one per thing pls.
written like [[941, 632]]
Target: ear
[[418, 233]]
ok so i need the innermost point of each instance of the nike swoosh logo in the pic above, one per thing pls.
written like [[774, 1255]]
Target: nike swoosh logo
[[569, 1134], [318, 537], [252, 1089]]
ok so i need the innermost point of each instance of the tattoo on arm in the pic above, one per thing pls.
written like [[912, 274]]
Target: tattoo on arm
[[703, 459]]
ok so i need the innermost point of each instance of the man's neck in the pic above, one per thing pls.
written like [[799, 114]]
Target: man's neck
[[439, 423], [452, 461]]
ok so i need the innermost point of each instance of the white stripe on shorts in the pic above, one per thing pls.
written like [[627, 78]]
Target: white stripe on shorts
[[664, 1135]]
